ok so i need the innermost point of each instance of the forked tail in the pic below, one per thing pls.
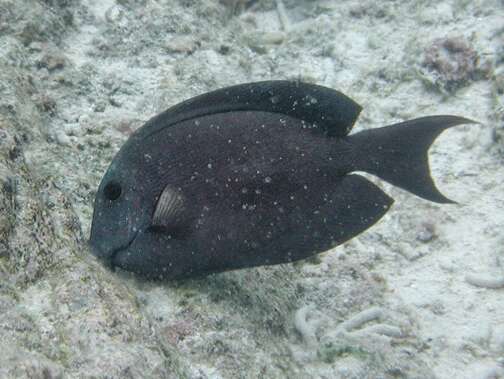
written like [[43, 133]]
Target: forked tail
[[398, 153]]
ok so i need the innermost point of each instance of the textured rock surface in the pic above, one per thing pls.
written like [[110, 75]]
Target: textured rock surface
[[77, 77]]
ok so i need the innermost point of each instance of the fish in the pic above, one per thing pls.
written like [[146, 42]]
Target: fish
[[255, 174]]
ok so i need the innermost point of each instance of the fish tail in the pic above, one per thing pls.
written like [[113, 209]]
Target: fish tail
[[398, 153]]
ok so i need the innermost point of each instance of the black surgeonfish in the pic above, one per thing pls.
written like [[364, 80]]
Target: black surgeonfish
[[254, 174]]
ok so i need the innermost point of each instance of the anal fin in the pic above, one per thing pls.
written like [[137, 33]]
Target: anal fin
[[339, 209]]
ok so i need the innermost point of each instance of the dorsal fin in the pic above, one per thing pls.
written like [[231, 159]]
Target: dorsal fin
[[333, 112], [169, 208]]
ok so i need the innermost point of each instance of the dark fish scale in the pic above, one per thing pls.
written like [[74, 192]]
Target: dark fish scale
[[251, 175]]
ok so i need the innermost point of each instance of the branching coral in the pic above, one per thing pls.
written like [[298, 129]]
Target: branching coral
[[308, 326]]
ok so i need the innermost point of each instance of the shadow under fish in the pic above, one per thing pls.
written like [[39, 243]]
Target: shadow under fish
[[254, 174]]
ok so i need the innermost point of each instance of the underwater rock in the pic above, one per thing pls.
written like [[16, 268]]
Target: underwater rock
[[452, 62]]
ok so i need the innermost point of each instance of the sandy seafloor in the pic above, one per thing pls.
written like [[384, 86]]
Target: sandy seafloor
[[419, 295]]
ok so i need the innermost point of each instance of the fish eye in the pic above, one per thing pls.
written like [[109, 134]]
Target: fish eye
[[112, 191]]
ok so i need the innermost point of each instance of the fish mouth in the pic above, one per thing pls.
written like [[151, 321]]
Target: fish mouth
[[115, 252]]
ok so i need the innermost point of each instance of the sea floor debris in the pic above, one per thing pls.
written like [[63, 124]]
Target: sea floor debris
[[485, 281]]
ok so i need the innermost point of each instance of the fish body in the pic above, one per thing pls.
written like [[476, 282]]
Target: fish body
[[250, 175]]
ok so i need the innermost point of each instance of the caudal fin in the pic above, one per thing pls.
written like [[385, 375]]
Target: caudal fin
[[398, 153]]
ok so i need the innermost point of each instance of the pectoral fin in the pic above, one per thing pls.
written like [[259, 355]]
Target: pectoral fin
[[169, 212]]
